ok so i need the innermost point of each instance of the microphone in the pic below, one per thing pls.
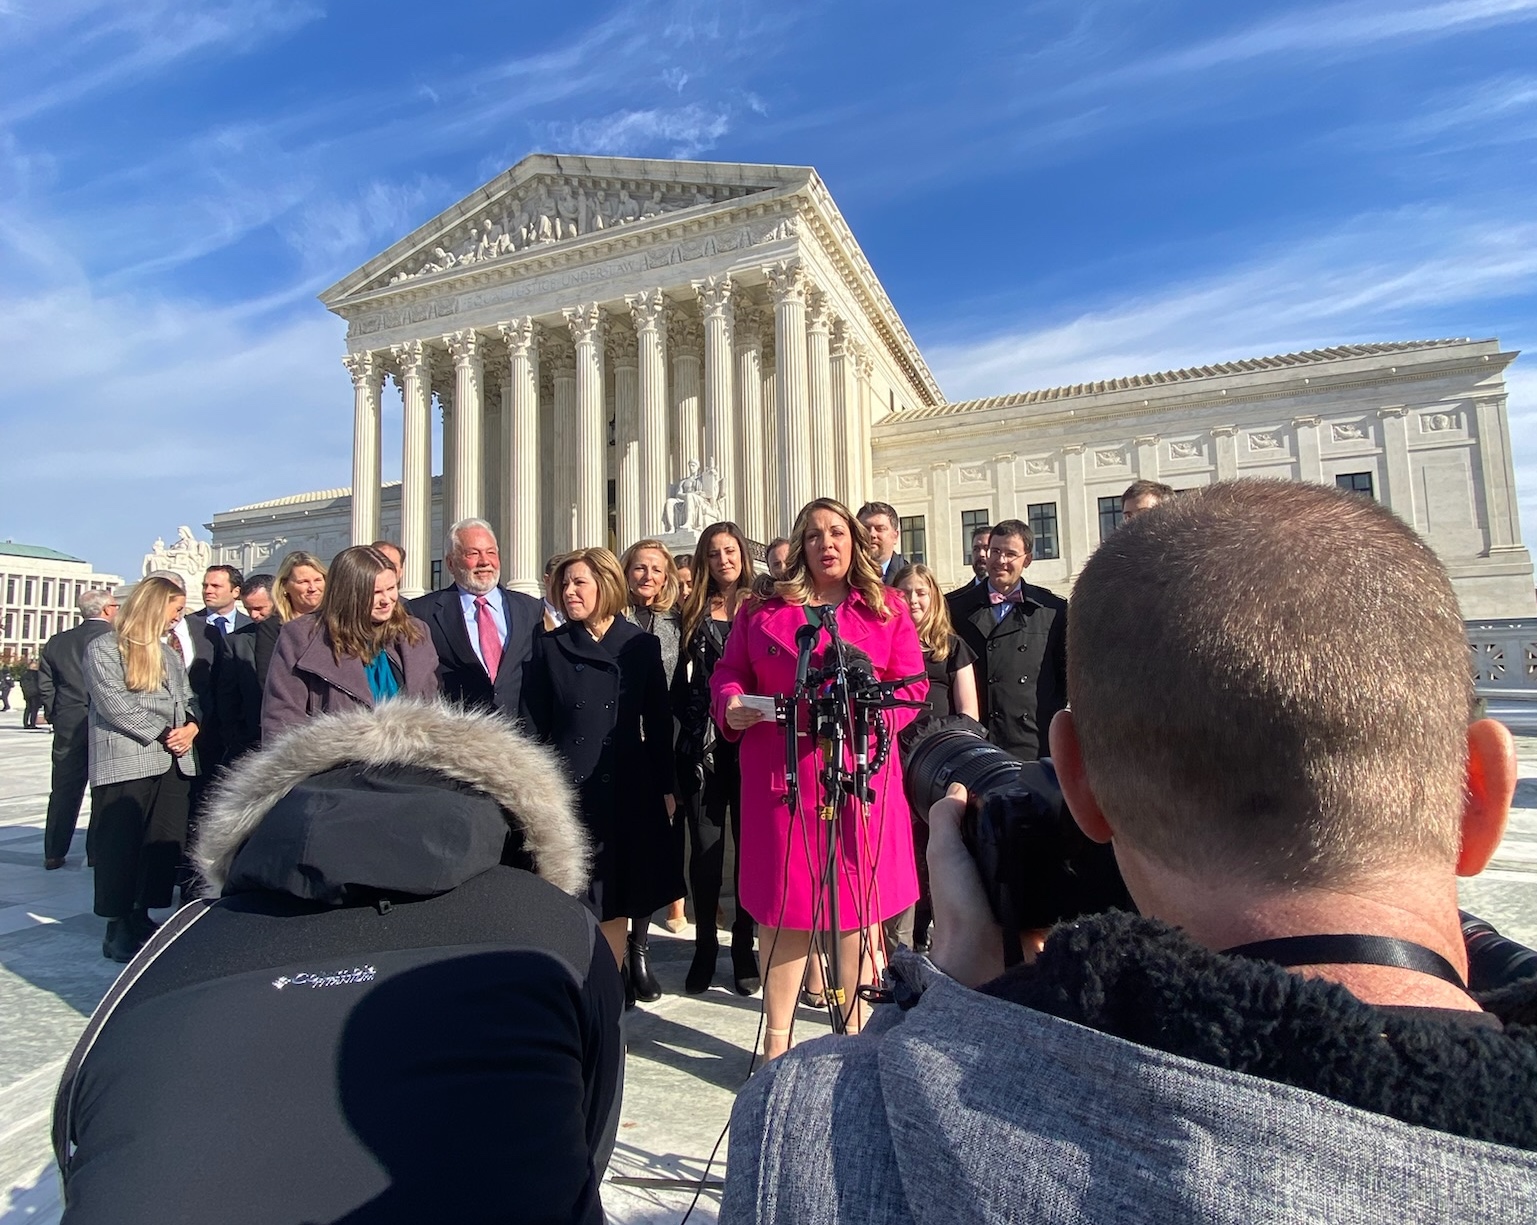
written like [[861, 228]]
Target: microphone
[[805, 639]]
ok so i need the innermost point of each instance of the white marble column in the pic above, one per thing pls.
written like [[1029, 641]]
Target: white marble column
[[771, 507], [1310, 465], [367, 378], [649, 311], [563, 474], [860, 490], [719, 384], [521, 563], [493, 445], [591, 433], [1077, 542], [845, 405], [1225, 446], [624, 358], [787, 288], [465, 447], [750, 504], [1496, 467], [684, 332], [415, 466], [819, 396], [1397, 476]]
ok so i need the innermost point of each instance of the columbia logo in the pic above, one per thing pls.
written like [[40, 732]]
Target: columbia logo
[[337, 978]]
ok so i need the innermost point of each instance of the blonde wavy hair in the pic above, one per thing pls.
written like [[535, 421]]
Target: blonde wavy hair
[[289, 564], [864, 575], [139, 626], [668, 598], [935, 630]]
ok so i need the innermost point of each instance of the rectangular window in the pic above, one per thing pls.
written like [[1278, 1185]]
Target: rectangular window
[[26, 625], [64, 599], [42, 626], [971, 520], [47, 592], [914, 538], [1109, 515], [1043, 525], [437, 575], [1355, 482], [10, 589], [27, 598]]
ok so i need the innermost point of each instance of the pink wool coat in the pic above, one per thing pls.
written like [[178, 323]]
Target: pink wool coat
[[781, 852]]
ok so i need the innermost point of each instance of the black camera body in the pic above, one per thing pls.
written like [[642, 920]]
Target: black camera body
[[1037, 867]]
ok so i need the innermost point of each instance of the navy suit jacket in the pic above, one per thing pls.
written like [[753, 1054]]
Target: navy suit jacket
[[461, 676]]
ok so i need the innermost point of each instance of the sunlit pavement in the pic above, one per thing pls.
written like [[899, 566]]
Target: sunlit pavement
[[687, 1054]]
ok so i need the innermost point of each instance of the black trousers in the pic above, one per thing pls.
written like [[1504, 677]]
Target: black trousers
[[30, 711], [707, 816], [71, 769], [140, 827]]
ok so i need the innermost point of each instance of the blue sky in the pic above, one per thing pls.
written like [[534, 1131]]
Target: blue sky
[[1051, 191]]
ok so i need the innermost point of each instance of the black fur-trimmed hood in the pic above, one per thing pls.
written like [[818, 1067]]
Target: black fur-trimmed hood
[[1145, 982], [382, 763]]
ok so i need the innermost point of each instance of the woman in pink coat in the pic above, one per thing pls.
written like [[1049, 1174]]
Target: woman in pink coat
[[829, 567]]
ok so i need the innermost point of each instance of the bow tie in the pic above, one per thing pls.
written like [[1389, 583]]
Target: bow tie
[[1017, 596]]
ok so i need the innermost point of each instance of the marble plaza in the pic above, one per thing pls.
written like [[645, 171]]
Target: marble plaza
[[687, 1055], [620, 348]]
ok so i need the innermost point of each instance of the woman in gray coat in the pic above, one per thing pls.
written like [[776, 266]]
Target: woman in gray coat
[[360, 648], [143, 721]]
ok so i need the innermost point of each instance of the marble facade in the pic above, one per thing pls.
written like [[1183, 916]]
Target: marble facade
[[619, 348]]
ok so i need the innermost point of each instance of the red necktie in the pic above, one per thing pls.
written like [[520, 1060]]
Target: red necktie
[[490, 644]]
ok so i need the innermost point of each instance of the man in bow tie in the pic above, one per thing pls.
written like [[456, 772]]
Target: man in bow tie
[[1019, 635]]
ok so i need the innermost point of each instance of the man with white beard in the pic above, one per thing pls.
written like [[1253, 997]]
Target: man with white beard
[[483, 633]]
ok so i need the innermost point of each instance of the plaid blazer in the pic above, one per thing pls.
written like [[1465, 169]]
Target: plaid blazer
[[125, 725]]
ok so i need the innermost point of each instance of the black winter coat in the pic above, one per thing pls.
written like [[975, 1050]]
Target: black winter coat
[[603, 706], [1021, 664], [395, 1012]]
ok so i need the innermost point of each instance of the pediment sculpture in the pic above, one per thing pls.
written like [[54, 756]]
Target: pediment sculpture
[[553, 210]]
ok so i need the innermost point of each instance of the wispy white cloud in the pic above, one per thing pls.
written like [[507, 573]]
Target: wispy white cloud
[[683, 131], [1409, 275], [57, 51], [1333, 31]]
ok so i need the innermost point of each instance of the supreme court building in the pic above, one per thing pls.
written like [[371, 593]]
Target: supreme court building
[[622, 348]]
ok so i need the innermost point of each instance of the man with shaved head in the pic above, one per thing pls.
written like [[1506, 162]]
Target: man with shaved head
[[1271, 722]]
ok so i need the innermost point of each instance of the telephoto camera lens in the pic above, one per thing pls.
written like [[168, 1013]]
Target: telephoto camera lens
[[1494, 960], [955, 754]]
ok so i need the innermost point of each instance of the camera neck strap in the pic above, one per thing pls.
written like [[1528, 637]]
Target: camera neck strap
[[1351, 950]]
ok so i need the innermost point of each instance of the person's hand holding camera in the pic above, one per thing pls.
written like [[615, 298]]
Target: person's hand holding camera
[[968, 943]]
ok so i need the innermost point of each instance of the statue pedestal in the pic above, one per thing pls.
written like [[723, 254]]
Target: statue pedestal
[[680, 543]]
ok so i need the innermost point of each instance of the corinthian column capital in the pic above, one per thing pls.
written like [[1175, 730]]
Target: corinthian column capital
[[714, 296], [786, 281], [649, 310], [463, 347], [586, 323], [365, 368], [521, 336], [818, 312], [412, 359]]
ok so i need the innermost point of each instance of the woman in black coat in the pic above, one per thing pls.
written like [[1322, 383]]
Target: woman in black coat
[[597, 693]]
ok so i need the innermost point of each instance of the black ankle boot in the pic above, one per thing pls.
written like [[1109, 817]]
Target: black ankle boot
[[642, 980], [744, 965], [119, 944], [140, 924], [701, 971]]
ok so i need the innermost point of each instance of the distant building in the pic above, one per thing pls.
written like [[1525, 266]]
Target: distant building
[[613, 343], [38, 588]]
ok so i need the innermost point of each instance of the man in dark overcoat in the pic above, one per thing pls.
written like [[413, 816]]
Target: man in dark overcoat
[[1019, 635], [483, 633], [61, 681]]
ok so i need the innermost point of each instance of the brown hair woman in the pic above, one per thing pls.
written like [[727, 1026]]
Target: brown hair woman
[[359, 648]]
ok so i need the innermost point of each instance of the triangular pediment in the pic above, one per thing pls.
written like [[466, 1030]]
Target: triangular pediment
[[547, 200]]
